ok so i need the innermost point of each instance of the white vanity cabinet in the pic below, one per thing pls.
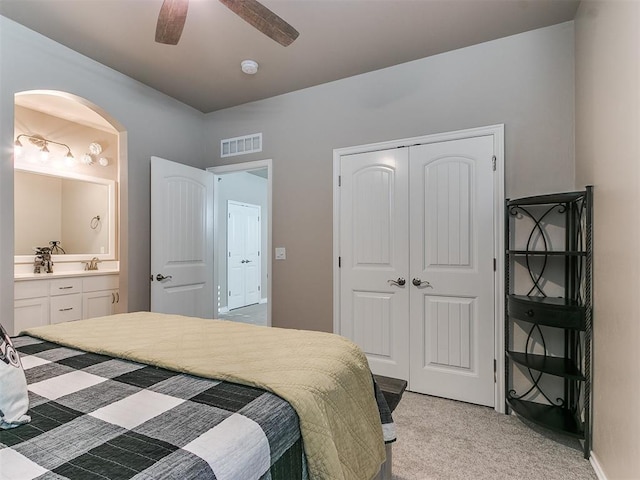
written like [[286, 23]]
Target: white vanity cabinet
[[40, 302], [100, 296]]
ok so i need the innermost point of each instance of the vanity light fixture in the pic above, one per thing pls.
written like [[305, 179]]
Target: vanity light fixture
[[43, 144]]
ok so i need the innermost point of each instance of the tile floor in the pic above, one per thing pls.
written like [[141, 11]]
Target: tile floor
[[253, 314]]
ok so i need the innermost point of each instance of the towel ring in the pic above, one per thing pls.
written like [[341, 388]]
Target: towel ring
[[95, 221]]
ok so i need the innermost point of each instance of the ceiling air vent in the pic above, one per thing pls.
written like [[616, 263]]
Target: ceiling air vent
[[231, 147]]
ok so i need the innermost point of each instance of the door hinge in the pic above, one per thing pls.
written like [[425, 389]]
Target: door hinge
[[339, 262], [229, 292], [258, 287], [339, 180], [495, 263], [229, 253], [494, 160], [258, 253], [229, 215], [495, 370]]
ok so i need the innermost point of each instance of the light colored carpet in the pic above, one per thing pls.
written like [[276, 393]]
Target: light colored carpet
[[442, 439]]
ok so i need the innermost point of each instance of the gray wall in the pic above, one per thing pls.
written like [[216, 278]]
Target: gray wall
[[525, 81], [608, 156], [241, 187], [154, 123]]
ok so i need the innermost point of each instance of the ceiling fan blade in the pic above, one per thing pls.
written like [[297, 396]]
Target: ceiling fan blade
[[264, 20], [173, 14]]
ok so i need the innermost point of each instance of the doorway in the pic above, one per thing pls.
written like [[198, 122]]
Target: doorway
[[244, 252], [249, 184], [417, 231]]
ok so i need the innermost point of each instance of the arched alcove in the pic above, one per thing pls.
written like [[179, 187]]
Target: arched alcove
[[86, 148]]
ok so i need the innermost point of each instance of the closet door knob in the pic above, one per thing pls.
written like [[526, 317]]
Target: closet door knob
[[161, 277], [419, 283], [398, 283]]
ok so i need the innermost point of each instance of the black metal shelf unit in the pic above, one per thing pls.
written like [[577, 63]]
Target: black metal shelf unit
[[564, 320]]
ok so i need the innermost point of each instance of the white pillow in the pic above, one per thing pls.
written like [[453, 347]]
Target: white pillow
[[14, 399]]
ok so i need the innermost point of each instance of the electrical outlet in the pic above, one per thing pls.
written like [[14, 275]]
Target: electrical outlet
[[281, 253]]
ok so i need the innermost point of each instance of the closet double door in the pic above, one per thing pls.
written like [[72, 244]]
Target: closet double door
[[417, 264]]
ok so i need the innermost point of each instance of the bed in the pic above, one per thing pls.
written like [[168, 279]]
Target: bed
[[152, 396]]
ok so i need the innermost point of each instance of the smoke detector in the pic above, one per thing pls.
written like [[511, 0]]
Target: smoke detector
[[250, 67]]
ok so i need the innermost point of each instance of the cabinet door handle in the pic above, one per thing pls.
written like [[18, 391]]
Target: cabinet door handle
[[117, 297], [530, 313], [65, 288], [65, 309], [113, 298]]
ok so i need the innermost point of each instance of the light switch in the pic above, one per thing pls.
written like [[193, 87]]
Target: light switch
[[281, 253]]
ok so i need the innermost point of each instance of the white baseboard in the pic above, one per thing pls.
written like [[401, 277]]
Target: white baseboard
[[223, 309], [596, 467], [263, 300]]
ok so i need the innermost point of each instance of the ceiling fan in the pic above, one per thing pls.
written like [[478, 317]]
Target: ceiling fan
[[173, 14]]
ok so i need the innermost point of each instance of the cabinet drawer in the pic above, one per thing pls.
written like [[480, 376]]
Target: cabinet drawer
[[65, 286], [66, 308], [31, 289], [553, 312], [100, 282]]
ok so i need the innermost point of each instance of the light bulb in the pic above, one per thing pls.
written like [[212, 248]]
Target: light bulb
[[18, 149], [44, 154], [70, 161]]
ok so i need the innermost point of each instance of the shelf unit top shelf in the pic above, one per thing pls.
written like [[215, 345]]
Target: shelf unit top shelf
[[550, 199], [557, 366]]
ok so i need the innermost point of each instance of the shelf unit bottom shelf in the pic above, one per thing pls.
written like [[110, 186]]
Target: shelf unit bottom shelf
[[552, 417]]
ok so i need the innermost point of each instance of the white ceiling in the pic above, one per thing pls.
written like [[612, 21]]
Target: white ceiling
[[338, 39]]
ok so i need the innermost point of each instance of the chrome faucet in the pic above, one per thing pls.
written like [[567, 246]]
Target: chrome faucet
[[92, 264]]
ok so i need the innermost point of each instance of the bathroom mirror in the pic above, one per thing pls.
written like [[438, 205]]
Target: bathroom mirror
[[75, 210]]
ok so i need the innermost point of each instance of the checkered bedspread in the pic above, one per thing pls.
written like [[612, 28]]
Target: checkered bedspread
[[96, 417]]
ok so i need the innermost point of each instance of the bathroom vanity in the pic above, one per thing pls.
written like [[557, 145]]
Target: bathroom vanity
[[43, 299]]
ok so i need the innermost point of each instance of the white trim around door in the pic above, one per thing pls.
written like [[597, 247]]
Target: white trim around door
[[497, 131], [244, 167]]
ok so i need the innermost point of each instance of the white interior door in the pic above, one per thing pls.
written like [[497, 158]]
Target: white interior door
[[181, 239], [244, 261], [423, 214], [374, 254], [452, 251]]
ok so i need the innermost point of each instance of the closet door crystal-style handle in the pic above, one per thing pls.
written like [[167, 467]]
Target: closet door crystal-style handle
[[398, 283]]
